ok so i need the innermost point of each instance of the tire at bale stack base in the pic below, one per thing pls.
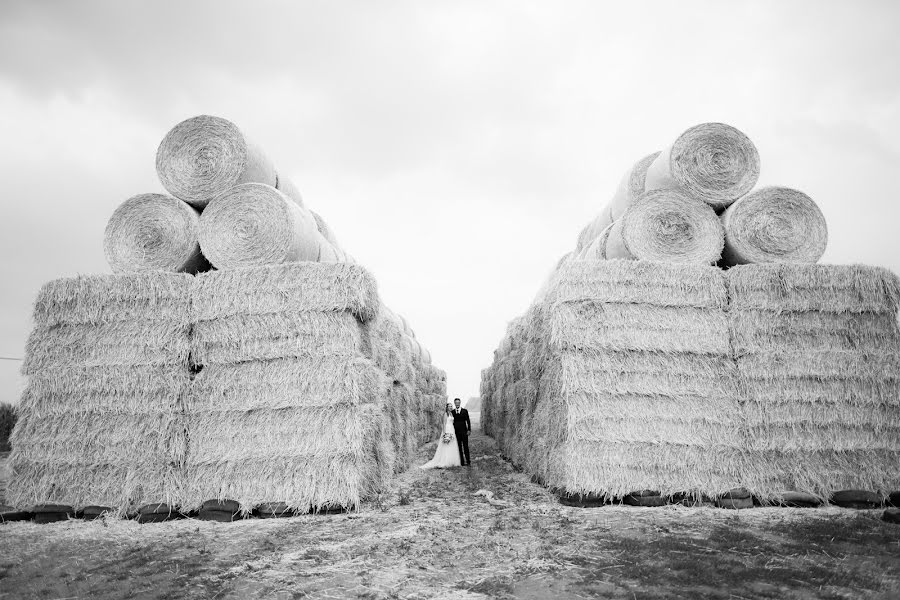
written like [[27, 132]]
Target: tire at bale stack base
[[891, 515], [858, 499], [667, 226], [203, 157], [254, 225], [645, 498], [774, 225], [712, 162], [223, 511], [154, 232], [157, 513], [89, 513], [50, 513], [274, 510]]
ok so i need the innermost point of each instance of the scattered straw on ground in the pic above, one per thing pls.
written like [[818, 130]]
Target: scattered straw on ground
[[437, 534]]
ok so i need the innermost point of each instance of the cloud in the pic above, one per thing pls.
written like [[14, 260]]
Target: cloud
[[457, 148]]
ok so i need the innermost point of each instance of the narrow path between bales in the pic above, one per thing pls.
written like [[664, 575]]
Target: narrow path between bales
[[484, 531]]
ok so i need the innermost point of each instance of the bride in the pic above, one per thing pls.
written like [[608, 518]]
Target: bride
[[447, 452]]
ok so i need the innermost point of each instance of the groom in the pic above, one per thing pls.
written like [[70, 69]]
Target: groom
[[462, 427]]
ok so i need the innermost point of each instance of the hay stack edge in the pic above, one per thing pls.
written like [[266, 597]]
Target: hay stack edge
[[279, 382], [730, 366]]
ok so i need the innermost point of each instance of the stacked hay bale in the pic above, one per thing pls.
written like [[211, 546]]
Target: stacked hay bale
[[631, 377], [287, 407], [279, 379], [633, 388], [107, 373], [817, 350]]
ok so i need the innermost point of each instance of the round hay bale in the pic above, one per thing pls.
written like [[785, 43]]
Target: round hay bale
[[325, 230], [153, 232], [204, 156], [713, 162], [774, 225], [665, 226], [287, 187], [597, 248], [630, 187], [254, 224]]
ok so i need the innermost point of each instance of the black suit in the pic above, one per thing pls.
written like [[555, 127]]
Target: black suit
[[462, 427]]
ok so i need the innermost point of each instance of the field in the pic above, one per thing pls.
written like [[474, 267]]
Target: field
[[479, 532]]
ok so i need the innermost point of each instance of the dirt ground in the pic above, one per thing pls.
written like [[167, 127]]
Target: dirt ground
[[437, 534]]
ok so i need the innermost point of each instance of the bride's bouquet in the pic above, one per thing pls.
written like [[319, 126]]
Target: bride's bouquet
[[447, 438]]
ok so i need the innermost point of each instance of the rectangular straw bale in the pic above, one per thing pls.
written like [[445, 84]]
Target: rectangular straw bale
[[592, 325], [335, 461], [829, 288], [116, 344], [315, 335], [659, 284], [286, 383], [97, 299], [764, 331], [291, 287], [617, 469]]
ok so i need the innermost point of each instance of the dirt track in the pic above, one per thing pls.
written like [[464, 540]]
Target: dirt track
[[433, 536]]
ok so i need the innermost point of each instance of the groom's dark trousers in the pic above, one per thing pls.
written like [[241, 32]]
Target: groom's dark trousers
[[461, 427]]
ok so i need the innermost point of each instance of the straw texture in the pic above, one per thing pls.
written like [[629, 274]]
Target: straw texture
[[712, 162], [665, 226], [203, 157], [153, 232], [630, 187], [631, 376], [774, 224], [108, 357], [821, 405]]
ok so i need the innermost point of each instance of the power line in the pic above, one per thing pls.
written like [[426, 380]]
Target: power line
[[8, 358]]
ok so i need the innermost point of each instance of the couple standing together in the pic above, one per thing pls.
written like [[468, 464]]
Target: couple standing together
[[457, 427]]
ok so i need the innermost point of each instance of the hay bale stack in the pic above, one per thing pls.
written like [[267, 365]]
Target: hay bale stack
[[662, 225], [817, 349], [108, 357], [774, 225], [286, 405], [636, 386], [297, 400], [205, 156], [154, 232], [712, 162]]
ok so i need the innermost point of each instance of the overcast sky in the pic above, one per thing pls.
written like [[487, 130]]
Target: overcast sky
[[456, 148]]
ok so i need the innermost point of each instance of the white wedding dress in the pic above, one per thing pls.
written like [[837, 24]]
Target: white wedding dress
[[447, 454]]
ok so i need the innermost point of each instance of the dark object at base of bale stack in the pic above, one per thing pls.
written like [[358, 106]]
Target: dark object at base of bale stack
[[645, 498], [50, 513], [89, 513], [894, 499], [330, 509], [274, 510], [859, 499], [157, 513], [693, 500], [891, 515], [799, 500], [582, 500], [223, 511], [16, 515], [735, 499]]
